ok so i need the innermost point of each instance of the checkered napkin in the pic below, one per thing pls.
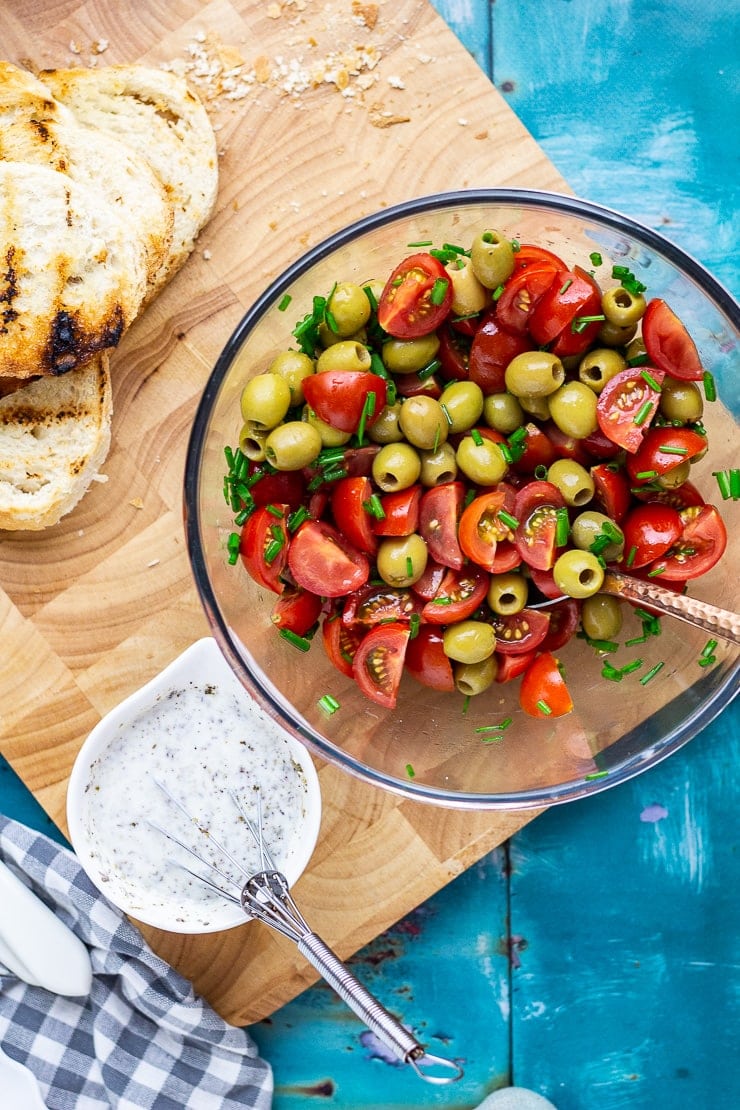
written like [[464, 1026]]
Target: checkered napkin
[[141, 1039]]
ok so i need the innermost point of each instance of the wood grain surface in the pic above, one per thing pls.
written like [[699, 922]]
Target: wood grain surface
[[324, 112]]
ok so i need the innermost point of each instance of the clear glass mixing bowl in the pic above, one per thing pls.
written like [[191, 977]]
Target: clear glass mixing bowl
[[617, 729]]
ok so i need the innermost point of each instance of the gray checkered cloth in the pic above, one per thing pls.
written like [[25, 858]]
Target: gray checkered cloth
[[142, 1039]]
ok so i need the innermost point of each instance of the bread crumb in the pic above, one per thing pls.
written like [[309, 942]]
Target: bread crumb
[[207, 255], [481, 135], [273, 11], [463, 122], [100, 478], [366, 14], [100, 46], [379, 117], [136, 503], [74, 47], [396, 82], [153, 563]]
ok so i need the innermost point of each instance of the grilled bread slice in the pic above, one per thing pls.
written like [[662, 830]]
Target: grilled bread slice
[[155, 113], [54, 437]]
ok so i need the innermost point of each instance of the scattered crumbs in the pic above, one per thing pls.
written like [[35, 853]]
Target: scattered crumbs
[[653, 813], [396, 82], [481, 135], [153, 563], [74, 47], [365, 14], [273, 11], [380, 117], [207, 254], [136, 503], [102, 478], [99, 46], [425, 59], [463, 122]]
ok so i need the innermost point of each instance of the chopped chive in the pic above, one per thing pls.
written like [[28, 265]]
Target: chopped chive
[[442, 601], [642, 413], [580, 323], [466, 704], [596, 259], [647, 475], [297, 641], [507, 519], [421, 243], [635, 665], [657, 570], [728, 482], [612, 673], [497, 292], [374, 507], [232, 546], [284, 302], [651, 380], [668, 450], [330, 455], [638, 360], [274, 511], [367, 290], [496, 728], [476, 437], [708, 648], [368, 410], [328, 703], [409, 566], [439, 291], [414, 625], [544, 708], [607, 646], [636, 640], [297, 518], [596, 775], [562, 527], [515, 245], [273, 549], [427, 371], [710, 388], [410, 771], [506, 452], [540, 471], [707, 661], [651, 673], [566, 285]]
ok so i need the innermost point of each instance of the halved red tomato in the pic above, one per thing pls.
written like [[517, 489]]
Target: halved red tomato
[[416, 298], [413, 385], [491, 351], [529, 254], [296, 610], [348, 499], [427, 587], [373, 604], [481, 529], [460, 594], [682, 497], [453, 353], [323, 561], [572, 296], [521, 293], [511, 666], [341, 642], [700, 547], [543, 692], [439, 512], [426, 659], [668, 343], [263, 546], [401, 510], [565, 617], [544, 582], [661, 450], [282, 487], [611, 491], [539, 450], [627, 405], [342, 398], [649, 531], [566, 446], [520, 632], [535, 507], [378, 663]]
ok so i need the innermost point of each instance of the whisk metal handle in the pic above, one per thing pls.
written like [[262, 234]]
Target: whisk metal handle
[[380, 1021]]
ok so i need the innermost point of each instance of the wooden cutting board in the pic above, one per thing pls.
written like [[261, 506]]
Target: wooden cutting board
[[325, 112]]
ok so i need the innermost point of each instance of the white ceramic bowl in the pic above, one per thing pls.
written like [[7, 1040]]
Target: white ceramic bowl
[[195, 728]]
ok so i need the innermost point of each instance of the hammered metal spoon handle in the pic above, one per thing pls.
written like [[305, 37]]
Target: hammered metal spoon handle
[[721, 622]]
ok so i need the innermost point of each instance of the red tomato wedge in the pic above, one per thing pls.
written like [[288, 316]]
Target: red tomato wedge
[[535, 507], [611, 491], [521, 632], [529, 254], [341, 642], [571, 296], [263, 546], [700, 546], [373, 604], [668, 343], [416, 298], [453, 353], [661, 450], [481, 529], [378, 663], [521, 293], [543, 692], [565, 619], [649, 531], [401, 509], [426, 660], [342, 398], [627, 404], [296, 611], [323, 561], [439, 512], [460, 594], [511, 666], [491, 351], [348, 499]]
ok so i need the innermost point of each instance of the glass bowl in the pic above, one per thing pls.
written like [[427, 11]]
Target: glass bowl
[[431, 747]]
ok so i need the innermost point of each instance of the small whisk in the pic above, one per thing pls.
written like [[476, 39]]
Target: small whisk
[[265, 895]]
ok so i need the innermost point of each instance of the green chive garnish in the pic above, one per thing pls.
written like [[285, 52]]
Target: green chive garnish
[[284, 302], [296, 519], [420, 244], [328, 703], [562, 528], [580, 323], [544, 708], [439, 291], [476, 437], [596, 775], [596, 259], [642, 413], [410, 771], [651, 674], [668, 450], [651, 380], [710, 388], [507, 519], [374, 507], [566, 285], [631, 555], [646, 475], [729, 483], [297, 641], [635, 665], [232, 546]]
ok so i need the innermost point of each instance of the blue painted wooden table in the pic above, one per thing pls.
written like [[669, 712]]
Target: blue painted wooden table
[[594, 957]]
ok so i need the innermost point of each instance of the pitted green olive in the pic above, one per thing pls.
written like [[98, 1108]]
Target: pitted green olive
[[578, 573], [265, 400], [252, 442], [294, 367], [507, 593], [438, 467], [502, 412], [402, 560], [292, 446], [573, 408], [423, 422], [573, 480], [473, 678], [611, 335], [408, 356], [492, 258], [469, 295], [386, 429], [588, 526], [349, 308], [347, 355], [462, 403], [680, 400], [623, 308], [330, 436], [535, 406], [469, 641], [601, 617], [598, 366], [676, 476], [534, 374], [396, 466], [481, 462]]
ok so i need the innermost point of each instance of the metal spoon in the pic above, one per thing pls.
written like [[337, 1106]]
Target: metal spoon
[[712, 618]]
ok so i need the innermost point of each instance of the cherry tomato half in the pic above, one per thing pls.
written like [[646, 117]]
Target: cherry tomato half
[[649, 531], [565, 618], [453, 353], [459, 595], [511, 666], [426, 659], [571, 296], [439, 512], [373, 604], [401, 510], [543, 692], [481, 529], [341, 642], [348, 499], [521, 293], [529, 254], [668, 343], [627, 404], [416, 298], [611, 491], [378, 663], [701, 545], [296, 610], [521, 632], [263, 546], [491, 351], [535, 507], [341, 397], [662, 449], [323, 561]]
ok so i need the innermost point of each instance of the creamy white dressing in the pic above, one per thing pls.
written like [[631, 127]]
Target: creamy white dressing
[[202, 742]]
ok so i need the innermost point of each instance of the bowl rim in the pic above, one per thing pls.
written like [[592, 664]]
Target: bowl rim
[[203, 661], [569, 204]]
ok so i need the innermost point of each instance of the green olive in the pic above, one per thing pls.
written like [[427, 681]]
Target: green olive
[[681, 400], [534, 374], [469, 641], [265, 400], [601, 617], [408, 356], [621, 307], [611, 335], [578, 573], [473, 678], [402, 560], [347, 355], [330, 436], [423, 422], [635, 349], [573, 480], [469, 295], [573, 408], [294, 367], [396, 466], [536, 406], [481, 462], [502, 412], [349, 307], [507, 593], [462, 403], [252, 442], [589, 525], [386, 429], [676, 476], [438, 467], [492, 258], [600, 365], [292, 446], [327, 337]]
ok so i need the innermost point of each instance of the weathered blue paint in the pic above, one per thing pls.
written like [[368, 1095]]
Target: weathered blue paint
[[616, 982]]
